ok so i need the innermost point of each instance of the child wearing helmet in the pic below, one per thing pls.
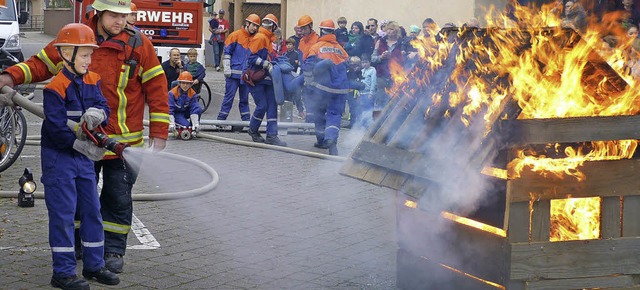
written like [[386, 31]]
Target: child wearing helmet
[[68, 172], [184, 109]]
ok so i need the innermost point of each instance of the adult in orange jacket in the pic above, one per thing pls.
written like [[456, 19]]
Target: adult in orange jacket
[[131, 77]]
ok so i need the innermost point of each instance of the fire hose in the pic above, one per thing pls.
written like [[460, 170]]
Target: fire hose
[[110, 144]]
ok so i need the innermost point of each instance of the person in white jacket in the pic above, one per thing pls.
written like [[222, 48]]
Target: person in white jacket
[[367, 95]]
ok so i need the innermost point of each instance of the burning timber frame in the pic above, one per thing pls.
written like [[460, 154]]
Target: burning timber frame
[[518, 254]]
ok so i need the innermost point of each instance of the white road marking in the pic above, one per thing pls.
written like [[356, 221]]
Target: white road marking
[[143, 235]]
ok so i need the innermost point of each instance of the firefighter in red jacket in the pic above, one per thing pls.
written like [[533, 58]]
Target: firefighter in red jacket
[[131, 77]]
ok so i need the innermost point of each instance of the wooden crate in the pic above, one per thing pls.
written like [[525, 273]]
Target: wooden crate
[[391, 154]]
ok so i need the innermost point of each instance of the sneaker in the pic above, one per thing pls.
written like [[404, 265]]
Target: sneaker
[[103, 276], [274, 140], [255, 136], [113, 262], [70, 283], [301, 115], [217, 68]]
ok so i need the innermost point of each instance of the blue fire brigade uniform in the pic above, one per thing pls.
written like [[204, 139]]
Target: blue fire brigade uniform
[[68, 176], [236, 51], [183, 104], [325, 70], [262, 93]]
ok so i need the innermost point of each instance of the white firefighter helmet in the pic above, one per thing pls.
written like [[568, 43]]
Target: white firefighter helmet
[[117, 6]]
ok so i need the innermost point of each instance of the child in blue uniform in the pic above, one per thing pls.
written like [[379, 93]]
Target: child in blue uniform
[[68, 172], [183, 104]]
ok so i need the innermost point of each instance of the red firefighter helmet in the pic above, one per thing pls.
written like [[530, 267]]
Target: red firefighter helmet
[[304, 20], [253, 18], [327, 24], [272, 18], [185, 77], [76, 34]]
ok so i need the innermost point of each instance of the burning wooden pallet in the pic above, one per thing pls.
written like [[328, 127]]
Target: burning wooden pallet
[[427, 147]]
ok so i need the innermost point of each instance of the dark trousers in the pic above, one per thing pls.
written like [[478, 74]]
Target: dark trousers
[[116, 203]]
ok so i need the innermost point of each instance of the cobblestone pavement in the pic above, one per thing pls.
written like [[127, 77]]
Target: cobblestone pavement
[[274, 221]]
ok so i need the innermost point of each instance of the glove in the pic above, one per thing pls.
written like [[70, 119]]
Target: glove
[[195, 124], [93, 117], [87, 148], [172, 123], [267, 66], [226, 63], [6, 99]]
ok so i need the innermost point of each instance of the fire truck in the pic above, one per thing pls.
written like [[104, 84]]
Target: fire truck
[[167, 23]]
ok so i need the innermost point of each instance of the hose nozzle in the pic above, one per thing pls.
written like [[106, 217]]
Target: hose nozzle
[[100, 138]]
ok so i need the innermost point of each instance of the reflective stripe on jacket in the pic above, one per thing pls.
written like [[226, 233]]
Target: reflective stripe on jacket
[[125, 96]]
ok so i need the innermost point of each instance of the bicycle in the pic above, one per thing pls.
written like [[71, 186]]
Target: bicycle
[[204, 99], [13, 126]]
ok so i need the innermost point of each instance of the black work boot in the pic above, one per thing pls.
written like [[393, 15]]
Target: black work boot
[[103, 276], [320, 142], [332, 146], [70, 283], [274, 140], [113, 262], [255, 136]]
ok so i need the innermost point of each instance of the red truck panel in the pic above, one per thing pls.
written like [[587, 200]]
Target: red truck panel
[[170, 23]]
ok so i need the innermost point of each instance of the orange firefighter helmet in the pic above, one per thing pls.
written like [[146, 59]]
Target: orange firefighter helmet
[[76, 34], [253, 18], [304, 20], [134, 7], [327, 24], [185, 77], [272, 18]]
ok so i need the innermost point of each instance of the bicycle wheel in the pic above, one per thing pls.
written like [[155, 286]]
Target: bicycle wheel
[[13, 135], [204, 97]]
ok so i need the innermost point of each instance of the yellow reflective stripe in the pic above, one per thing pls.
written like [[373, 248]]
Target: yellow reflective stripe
[[159, 117], [122, 100], [151, 73], [76, 224], [116, 228], [53, 68], [26, 71], [127, 137], [134, 139]]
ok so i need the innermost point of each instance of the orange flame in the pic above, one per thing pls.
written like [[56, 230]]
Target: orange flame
[[575, 219], [549, 72]]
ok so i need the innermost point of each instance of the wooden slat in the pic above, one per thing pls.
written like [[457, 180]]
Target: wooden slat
[[595, 282], [355, 169], [540, 221], [518, 221], [394, 179], [574, 259], [610, 217], [603, 178], [631, 216], [580, 129]]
